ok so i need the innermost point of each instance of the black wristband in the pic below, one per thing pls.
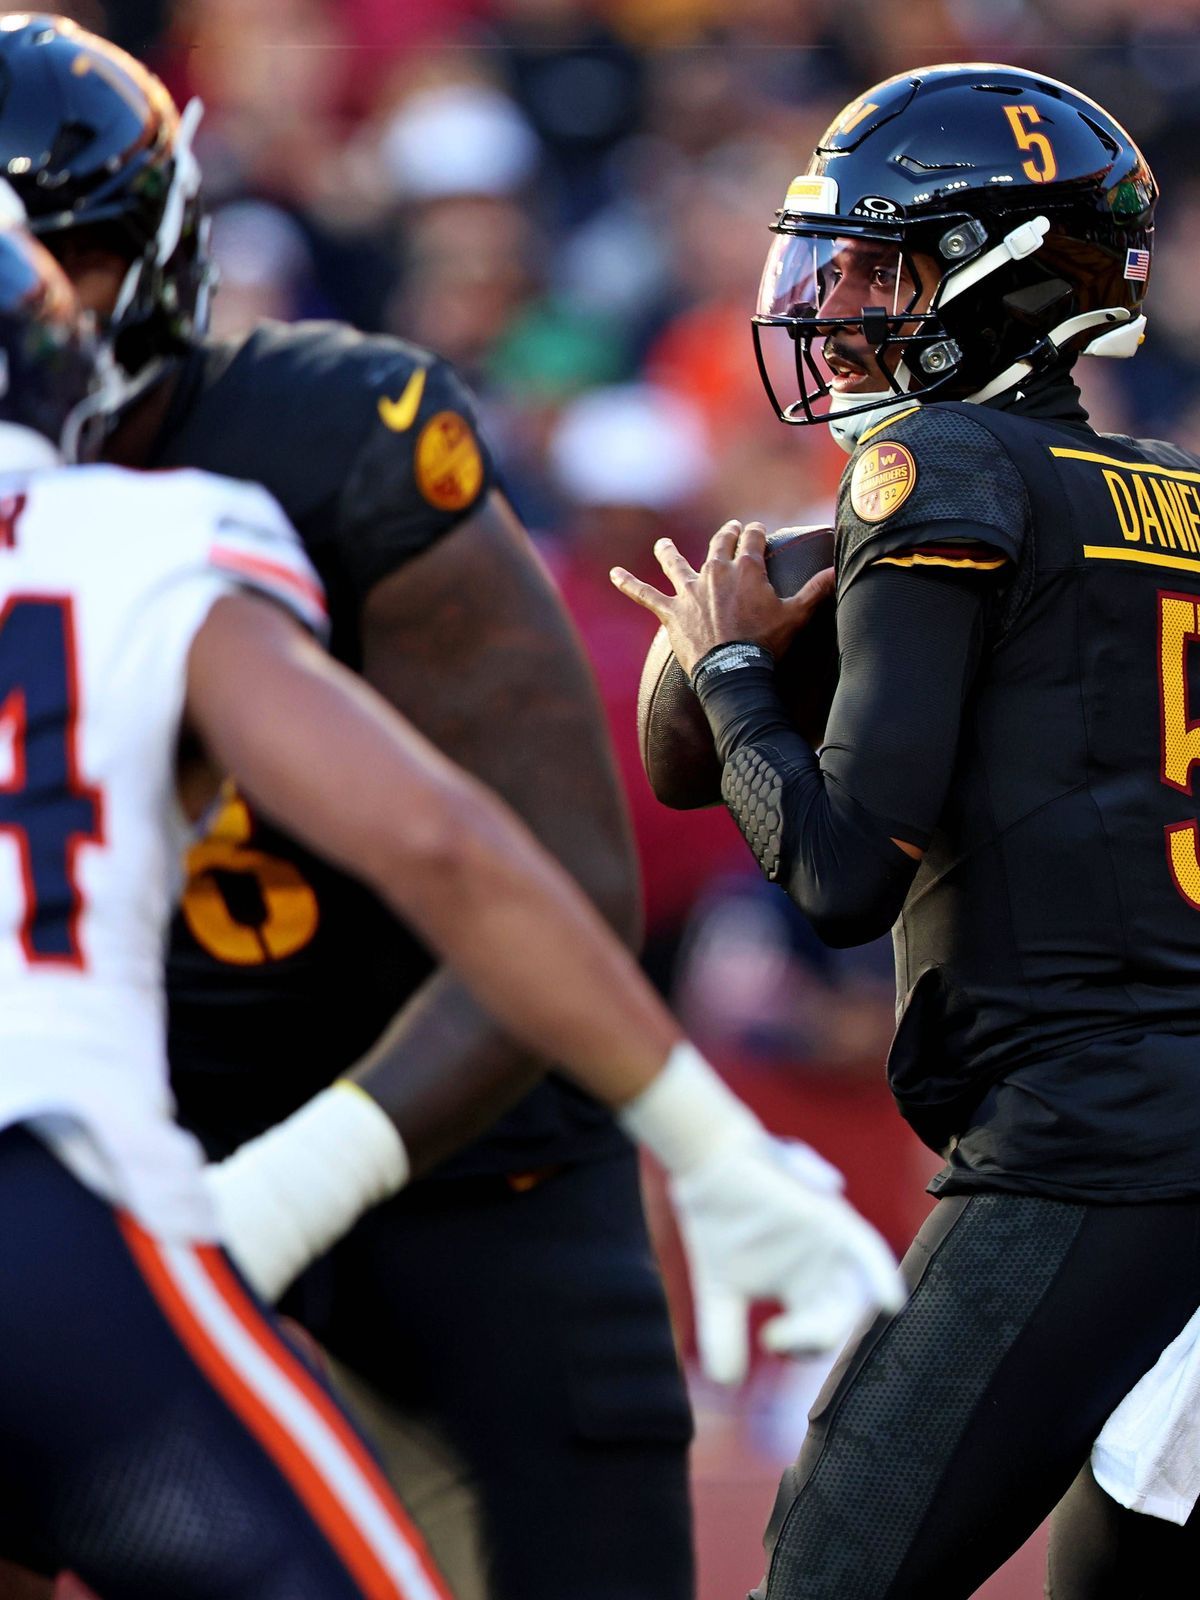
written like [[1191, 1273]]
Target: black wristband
[[729, 657]]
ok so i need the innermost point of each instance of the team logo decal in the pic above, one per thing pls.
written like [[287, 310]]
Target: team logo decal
[[449, 466], [884, 477]]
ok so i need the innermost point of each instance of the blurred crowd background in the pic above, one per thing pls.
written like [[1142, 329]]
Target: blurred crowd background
[[570, 199]]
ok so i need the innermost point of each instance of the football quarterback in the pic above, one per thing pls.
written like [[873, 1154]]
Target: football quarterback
[[1006, 781]]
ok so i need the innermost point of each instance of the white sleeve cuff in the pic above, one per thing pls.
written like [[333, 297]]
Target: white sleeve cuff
[[286, 1197]]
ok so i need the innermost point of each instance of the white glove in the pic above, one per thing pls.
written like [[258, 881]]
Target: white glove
[[762, 1219], [285, 1198], [756, 1228]]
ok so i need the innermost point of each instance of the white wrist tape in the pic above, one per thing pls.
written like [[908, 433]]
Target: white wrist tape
[[688, 1113], [286, 1197]]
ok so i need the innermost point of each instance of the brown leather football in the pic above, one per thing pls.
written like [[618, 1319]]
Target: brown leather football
[[673, 734]]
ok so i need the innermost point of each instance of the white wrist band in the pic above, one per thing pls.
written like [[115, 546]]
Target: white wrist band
[[286, 1197], [687, 1113]]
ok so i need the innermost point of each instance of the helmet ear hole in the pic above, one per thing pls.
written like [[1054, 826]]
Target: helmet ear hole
[[1038, 303]]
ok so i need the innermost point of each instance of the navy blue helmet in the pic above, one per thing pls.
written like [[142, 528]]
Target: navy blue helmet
[[90, 139], [976, 223]]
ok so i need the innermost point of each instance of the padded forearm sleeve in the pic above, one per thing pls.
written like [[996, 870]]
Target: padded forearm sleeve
[[824, 828]]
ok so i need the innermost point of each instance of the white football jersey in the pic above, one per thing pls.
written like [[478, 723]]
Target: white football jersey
[[105, 578]]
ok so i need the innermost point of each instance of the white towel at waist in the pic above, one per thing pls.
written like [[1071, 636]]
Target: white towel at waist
[[1148, 1454]]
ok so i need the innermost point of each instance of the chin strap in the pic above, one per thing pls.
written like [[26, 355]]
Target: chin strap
[[1122, 340], [185, 186], [111, 396], [1024, 240]]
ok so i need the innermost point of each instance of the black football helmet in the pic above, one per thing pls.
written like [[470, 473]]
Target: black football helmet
[[90, 139], [974, 224], [50, 363]]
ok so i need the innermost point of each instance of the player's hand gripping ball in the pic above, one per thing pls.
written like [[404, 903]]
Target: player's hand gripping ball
[[673, 734]]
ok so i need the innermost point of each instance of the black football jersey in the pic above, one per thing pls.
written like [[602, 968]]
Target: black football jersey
[[1048, 953], [282, 972]]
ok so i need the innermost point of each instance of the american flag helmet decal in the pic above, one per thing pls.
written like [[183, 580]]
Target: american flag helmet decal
[[1137, 265]]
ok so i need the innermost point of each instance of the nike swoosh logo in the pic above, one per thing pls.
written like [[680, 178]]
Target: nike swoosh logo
[[399, 415]]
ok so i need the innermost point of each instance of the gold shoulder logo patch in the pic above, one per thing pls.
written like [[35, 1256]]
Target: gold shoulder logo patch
[[448, 462], [884, 477]]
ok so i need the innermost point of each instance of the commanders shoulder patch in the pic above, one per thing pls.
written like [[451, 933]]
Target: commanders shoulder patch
[[884, 476], [448, 462]]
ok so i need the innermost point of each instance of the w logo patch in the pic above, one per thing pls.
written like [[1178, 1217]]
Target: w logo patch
[[884, 477]]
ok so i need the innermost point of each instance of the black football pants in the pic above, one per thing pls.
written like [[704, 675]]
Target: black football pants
[[947, 1432], [1100, 1551], [528, 1324]]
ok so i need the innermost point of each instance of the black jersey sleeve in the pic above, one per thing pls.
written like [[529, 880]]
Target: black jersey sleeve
[[421, 469], [932, 488], [824, 826]]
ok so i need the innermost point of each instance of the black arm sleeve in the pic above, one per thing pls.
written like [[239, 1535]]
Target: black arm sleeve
[[824, 828]]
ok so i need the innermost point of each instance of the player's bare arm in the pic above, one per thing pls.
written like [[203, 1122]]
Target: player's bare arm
[[481, 599], [337, 768]]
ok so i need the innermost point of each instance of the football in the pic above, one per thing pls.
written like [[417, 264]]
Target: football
[[673, 734]]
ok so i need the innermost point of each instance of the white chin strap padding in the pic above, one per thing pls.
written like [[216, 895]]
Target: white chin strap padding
[[1015, 246], [1119, 343], [185, 182], [185, 185], [129, 289]]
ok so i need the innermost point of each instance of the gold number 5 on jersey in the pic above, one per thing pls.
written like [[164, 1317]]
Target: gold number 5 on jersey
[[1178, 630]]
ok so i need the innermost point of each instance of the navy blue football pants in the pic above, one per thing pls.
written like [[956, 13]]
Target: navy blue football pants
[[527, 1325], [160, 1437], [946, 1433]]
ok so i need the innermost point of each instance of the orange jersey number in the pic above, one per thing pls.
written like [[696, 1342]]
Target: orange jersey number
[[285, 908]]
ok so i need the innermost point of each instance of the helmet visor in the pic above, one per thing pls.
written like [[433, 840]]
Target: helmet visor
[[836, 275], [836, 314]]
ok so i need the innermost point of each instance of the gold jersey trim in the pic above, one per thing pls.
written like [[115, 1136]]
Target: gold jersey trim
[[887, 422], [942, 561], [1125, 466], [1149, 558]]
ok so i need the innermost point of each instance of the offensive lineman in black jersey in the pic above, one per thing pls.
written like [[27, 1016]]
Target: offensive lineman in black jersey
[[513, 1301], [1007, 778]]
